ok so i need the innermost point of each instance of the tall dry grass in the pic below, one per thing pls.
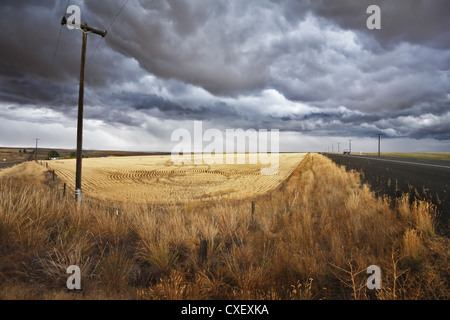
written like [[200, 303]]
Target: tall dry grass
[[313, 238]]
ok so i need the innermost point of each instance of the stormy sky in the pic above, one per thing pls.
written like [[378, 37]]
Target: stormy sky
[[309, 68]]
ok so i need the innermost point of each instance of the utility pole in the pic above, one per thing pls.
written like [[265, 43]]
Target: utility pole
[[85, 29], [350, 146], [379, 144], [35, 150]]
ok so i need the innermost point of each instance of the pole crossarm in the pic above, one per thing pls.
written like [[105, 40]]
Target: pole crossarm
[[86, 28]]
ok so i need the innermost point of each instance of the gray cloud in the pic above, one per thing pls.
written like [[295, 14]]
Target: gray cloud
[[177, 61], [419, 22]]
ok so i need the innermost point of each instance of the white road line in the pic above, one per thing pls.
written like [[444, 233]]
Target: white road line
[[398, 161]]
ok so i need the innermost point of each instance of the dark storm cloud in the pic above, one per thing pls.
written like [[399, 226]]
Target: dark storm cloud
[[207, 58], [195, 42], [161, 108], [423, 22], [166, 109], [28, 91], [438, 132]]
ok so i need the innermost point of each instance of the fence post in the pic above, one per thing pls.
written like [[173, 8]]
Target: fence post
[[203, 254], [253, 210]]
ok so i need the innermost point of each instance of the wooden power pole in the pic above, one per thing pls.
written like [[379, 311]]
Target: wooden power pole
[[85, 29], [379, 144], [35, 150]]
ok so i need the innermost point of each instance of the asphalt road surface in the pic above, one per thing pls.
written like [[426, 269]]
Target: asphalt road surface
[[423, 179], [6, 165]]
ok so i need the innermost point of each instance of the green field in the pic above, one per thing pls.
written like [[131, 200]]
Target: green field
[[414, 155]]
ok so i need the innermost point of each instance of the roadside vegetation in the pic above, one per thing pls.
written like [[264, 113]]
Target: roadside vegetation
[[313, 238]]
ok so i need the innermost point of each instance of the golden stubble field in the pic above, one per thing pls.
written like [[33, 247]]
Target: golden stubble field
[[158, 180]]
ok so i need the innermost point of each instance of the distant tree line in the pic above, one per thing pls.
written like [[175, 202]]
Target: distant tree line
[[53, 154]]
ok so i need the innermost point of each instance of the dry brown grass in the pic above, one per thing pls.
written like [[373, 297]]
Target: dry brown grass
[[312, 238]]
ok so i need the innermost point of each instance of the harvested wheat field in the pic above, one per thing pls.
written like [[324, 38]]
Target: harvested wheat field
[[158, 180]]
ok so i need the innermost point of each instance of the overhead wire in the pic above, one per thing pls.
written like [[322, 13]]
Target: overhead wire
[[57, 41], [118, 14], [109, 27]]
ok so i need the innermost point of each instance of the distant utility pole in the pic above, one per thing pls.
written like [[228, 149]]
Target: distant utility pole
[[350, 146], [35, 150], [379, 144], [85, 29]]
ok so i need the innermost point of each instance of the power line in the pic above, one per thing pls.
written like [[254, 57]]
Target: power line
[[110, 26], [56, 49], [93, 53], [117, 15], [58, 40]]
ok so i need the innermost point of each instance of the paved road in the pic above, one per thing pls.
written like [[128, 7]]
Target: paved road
[[419, 162], [6, 165], [423, 179]]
